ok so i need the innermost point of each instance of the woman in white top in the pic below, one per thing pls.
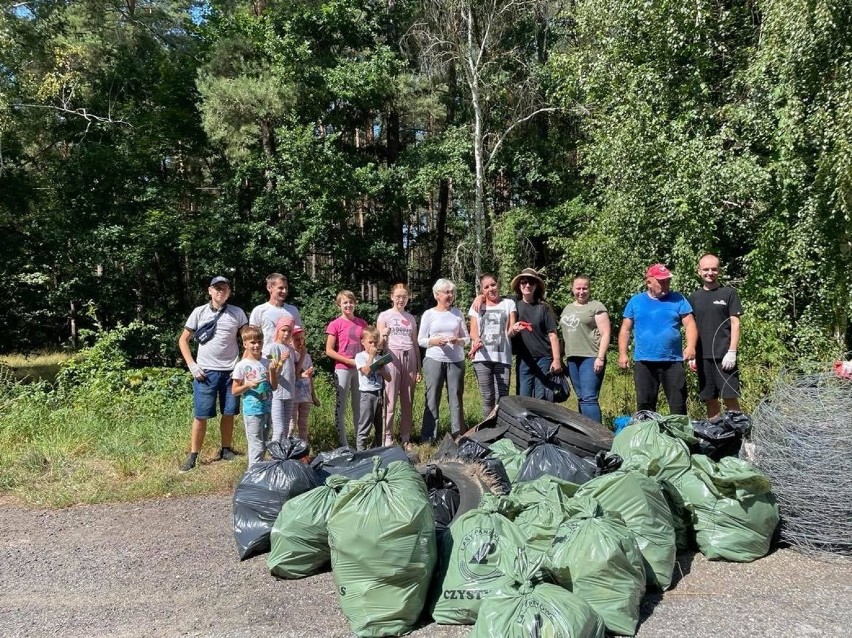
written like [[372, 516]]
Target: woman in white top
[[444, 334], [398, 329], [490, 322]]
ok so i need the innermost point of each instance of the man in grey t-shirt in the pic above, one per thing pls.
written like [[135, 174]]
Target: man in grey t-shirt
[[211, 369], [267, 314]]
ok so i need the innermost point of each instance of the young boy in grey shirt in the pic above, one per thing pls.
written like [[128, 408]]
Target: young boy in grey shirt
[[370, 386]]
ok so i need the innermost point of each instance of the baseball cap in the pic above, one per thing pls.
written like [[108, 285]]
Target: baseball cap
[[219, 280], [658, 271], [298, 329]]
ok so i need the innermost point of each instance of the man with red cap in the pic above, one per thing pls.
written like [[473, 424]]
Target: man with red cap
[[656, 316]]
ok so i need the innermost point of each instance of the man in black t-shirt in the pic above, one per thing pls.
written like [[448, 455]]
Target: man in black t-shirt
[[717, 311]]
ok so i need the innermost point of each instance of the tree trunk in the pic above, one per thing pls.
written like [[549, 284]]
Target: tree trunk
[[440, 230], [267, 138]]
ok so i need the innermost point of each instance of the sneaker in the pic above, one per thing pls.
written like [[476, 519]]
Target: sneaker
[[188, 465], [226, 454]]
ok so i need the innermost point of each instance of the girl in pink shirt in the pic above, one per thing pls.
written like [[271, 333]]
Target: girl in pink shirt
[[399, 337], [342, 344]]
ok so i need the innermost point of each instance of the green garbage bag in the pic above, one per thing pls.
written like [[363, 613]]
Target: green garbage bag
[[681, 516], [640, 502], [382, 537], [468, 571], [595, 555], [544, 504], [733, 510], [511, 457], [659, 445], [532, 608], [299, 537]]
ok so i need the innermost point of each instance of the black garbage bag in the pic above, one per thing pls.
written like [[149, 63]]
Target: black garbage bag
[[546, 457], [444, 497], [355, 465], [721, 436], [557, 388], [607, 463], [470, 450], [263, 490]]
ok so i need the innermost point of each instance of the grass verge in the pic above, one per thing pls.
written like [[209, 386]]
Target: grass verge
[[122, 438]]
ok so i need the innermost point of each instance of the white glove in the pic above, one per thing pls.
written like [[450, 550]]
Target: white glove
[[729, 361], [196, 371]]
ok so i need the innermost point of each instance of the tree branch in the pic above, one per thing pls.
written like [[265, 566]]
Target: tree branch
[[80, 112], [505, 133]]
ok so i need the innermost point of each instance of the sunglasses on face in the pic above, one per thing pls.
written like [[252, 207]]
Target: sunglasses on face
[[526, 282]]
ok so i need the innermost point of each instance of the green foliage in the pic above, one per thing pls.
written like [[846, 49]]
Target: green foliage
[[108, 364], [144, 149]]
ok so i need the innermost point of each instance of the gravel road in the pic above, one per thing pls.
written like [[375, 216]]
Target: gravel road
[[169, 568]]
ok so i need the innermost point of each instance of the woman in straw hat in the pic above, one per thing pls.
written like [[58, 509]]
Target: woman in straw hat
[[535, 341]]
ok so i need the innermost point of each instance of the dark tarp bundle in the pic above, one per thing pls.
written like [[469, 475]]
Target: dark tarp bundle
[[546, 457], [382, 536], [595, 555], [531, 608], [661, 441], [299, 538], [263, 490], [734, 514], [639, 500], [353, 464], [511, 457], [468, 571], [721, 436], [544, 504], [480, 453]]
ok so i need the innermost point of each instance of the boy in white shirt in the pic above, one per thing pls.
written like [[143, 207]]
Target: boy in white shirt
[[370, 385], [255, 378]]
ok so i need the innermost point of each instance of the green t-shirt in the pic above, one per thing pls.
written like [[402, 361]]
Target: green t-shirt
[[579, 329]]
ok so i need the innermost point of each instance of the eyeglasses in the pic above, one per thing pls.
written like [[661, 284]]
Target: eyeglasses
[[526, 282]]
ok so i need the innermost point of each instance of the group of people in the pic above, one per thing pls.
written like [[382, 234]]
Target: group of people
[[378, 366], [274, 377]]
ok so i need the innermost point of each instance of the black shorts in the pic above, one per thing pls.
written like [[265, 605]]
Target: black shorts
[[715, 383]]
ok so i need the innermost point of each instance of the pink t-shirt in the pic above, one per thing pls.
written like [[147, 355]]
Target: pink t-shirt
[[348, 335], [402, 326]]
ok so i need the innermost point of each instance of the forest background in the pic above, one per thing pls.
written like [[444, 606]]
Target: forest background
[[147, 145]]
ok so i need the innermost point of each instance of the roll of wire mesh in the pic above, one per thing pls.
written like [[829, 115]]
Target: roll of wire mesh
[[801, 439]]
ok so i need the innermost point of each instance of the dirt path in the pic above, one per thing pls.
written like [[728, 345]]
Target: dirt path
[[169, 568]]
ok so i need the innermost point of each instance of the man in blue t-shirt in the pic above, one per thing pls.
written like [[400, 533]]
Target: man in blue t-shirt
[[656, 316]]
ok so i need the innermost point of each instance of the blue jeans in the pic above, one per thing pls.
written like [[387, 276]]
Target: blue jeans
[[532, 377], [587, 385], [215, 388]]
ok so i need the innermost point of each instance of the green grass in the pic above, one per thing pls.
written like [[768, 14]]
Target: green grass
[[34, 367], [96, 444]]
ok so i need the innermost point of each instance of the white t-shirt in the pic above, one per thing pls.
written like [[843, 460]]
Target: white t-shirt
[[287, 373], [449, 323], [304, 384], [367, 382], [266, 316], [222, 352], [492, 322]]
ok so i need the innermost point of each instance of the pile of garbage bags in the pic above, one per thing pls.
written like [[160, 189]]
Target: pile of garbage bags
[[558, 545]]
